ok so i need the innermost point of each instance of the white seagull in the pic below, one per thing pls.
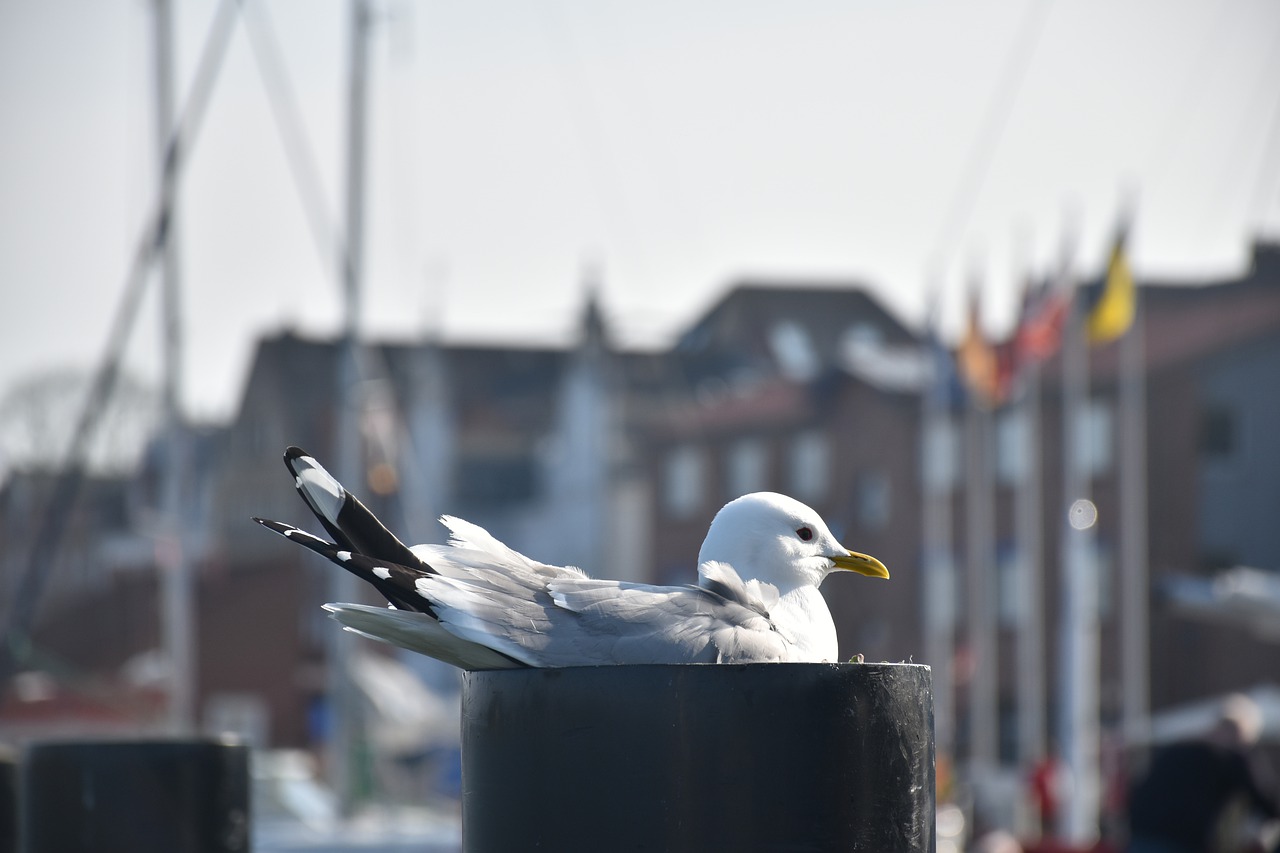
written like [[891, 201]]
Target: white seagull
[[477, 604]]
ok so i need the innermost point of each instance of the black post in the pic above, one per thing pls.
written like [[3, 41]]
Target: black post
[[178, 796], [673, 758], [8, 800]]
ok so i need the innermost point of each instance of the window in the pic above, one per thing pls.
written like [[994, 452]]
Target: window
[[1007, 732], [497, 478], [1104, 570], [941, 596], [1095, 563], [1009, 582], [684, 481], [746, 468], [1218, 430], [1094, 437], [809, 466], [793, 351], [873, 500], [1012, 446], [861, 336], [941, 455]]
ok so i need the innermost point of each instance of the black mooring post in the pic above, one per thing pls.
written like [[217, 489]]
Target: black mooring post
[[8, 800], [792, 757], [166, 796]]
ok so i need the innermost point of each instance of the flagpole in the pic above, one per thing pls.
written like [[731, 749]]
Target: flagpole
[[1134, 650], [1028, 522], [937, 467], [1078, 721], [980, 557]]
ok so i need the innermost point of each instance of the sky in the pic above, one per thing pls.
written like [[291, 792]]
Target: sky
[[519, 150]]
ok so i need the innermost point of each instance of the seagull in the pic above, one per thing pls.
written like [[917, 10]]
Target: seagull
[[477, 604]]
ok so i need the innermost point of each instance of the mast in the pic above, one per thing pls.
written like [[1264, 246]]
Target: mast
[[343, 699], [176, 584]]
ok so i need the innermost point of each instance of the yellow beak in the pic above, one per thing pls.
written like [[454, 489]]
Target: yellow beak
[[861, 563]]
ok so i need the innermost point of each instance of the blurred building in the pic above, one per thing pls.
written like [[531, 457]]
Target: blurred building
[[616, 461], [1214, 484], [1211, 405]]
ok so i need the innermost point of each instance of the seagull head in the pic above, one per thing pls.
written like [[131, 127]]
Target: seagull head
[[777, 539]]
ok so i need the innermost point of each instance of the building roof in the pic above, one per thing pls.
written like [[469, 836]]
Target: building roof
[[1186, 321], [796, 329]]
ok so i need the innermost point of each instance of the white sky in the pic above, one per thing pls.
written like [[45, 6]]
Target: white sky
[[676, 145]]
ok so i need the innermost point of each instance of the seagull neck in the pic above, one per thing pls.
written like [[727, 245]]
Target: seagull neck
[[804, 606]]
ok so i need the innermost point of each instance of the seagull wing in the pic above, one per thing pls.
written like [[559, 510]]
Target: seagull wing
[[478, 604], [353, 527], [575, 621], [410, 623]]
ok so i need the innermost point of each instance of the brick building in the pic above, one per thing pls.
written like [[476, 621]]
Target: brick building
[[617, 460]]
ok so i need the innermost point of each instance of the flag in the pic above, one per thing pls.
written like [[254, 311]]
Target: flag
[[1044, 315], [979, 362], [1007, 368], [1109, 303]]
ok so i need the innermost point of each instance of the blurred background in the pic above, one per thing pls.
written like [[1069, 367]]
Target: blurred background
[[993, 286]]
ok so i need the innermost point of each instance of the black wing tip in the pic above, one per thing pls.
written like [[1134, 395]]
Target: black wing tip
[[275, 526], [397, 587], [296, 459], [293, 452]]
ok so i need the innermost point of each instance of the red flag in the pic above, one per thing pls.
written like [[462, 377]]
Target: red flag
[[1039, 332]]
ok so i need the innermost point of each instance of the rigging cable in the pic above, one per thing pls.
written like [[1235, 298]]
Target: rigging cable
[[301, 158], [978, 164], [70, 479]]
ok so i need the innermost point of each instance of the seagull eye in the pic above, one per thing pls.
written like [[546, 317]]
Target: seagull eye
[[805, 533]]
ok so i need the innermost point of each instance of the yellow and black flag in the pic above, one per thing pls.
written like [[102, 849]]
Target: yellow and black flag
[[1110, 303]]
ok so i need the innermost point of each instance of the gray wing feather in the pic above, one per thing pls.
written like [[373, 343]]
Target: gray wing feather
[[497, 607], [416, 632], [573, 620]]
